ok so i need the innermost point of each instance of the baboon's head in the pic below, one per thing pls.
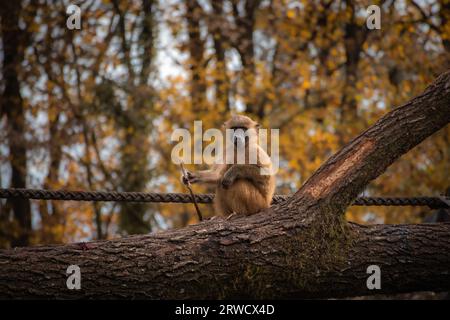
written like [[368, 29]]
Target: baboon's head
[[244, 129]]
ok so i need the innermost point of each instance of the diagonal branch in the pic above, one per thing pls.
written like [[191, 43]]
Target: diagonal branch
[[342, 177]]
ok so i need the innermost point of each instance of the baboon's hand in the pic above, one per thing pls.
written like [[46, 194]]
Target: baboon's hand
[[190, 177]]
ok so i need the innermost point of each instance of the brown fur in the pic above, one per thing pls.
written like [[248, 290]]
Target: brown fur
[[240, 188]]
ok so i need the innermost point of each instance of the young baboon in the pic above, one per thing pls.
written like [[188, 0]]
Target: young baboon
[[244, 181]]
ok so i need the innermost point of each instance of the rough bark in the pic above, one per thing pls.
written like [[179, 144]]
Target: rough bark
[[234, 260], [300, 248]]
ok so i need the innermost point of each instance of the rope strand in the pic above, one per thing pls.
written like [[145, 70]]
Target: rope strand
[[41, 194]]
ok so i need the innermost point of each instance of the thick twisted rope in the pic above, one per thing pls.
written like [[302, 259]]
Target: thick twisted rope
[[40, 194]]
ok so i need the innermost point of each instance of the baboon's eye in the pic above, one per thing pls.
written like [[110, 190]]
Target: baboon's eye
[[237, 128]]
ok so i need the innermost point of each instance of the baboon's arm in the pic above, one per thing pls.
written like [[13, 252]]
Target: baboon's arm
[[204, 176], [250, 172]]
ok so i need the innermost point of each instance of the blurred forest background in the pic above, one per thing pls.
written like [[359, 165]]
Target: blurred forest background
[[94, 109]]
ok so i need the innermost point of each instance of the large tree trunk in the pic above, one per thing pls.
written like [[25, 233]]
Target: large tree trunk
[[302, 247], [216, 23], [196, 46], [134, 122], [12, 106], [354, 37], [245, 21]]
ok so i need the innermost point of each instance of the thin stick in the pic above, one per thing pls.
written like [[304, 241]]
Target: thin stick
[[188, 185]]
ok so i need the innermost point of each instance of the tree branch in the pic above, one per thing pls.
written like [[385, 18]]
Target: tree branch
[[342, 177], [233, 260]]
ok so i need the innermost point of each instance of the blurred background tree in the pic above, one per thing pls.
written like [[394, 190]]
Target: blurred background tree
[[94, 108]]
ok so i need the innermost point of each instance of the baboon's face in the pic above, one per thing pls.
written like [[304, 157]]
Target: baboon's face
[[244, 130]]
